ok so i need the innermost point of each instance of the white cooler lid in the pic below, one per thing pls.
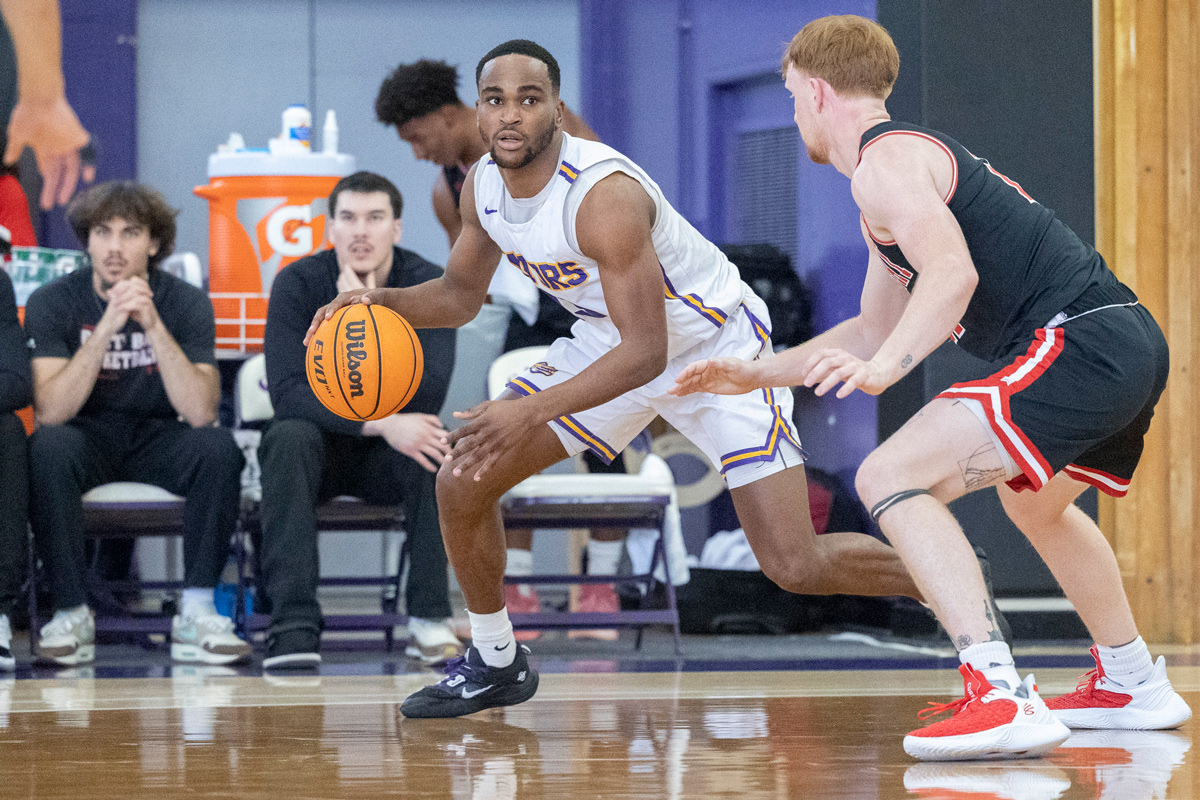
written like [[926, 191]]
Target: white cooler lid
[[258, 162]]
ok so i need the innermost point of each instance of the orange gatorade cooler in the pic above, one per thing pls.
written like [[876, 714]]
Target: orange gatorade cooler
[[264, 212]]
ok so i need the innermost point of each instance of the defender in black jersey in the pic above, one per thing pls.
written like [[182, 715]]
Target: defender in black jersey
[[959, 250]]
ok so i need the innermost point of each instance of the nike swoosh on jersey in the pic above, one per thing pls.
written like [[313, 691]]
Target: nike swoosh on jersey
[[487, 210], [468, 695]]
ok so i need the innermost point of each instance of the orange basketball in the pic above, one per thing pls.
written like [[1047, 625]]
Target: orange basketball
[[364, 362]]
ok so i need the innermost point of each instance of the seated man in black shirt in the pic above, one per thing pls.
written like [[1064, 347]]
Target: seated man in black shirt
[[125, 388], [15, 392], [308, 454]]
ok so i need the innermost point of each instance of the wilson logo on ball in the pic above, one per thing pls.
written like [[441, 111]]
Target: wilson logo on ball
[[364, 362]]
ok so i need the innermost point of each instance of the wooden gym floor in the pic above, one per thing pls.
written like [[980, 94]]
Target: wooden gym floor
[[687, 731]]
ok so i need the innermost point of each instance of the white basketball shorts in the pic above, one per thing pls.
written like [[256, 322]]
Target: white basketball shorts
[[747, 437]]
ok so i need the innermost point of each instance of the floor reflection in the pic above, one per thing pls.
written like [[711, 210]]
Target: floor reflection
[[218, 734]]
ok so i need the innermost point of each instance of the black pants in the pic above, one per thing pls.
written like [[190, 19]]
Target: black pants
[[14, 509], [204, 465], [303, 466]]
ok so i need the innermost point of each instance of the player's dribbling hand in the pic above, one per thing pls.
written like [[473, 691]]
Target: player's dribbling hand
[[828, 368], [495, 427], [717, 375], [342, 300]]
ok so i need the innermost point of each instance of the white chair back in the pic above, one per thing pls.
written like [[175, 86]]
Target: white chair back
[[253, 401]]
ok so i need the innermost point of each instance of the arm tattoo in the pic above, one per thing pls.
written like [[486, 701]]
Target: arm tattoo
[[963, 642], [907, 360]]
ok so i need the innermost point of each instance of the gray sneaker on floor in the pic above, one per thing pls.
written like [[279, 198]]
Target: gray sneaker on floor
[[206, 638], [69, 638]]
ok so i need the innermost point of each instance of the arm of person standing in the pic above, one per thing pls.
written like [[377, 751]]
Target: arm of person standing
[[445, 209], [42, 118], [193, 387], [16, 380]]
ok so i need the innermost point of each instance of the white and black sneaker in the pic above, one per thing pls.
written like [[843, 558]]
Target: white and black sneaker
[[471, 685], [7, 662]]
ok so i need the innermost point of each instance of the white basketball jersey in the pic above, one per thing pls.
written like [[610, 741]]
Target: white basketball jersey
[[537, 235]]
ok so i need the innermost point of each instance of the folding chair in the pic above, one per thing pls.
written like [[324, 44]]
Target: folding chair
[[590, 501], [119, 510], [342, 513]]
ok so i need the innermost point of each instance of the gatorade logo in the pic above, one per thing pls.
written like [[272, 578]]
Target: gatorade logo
[[289, 230], [356, 353], [281, 231]]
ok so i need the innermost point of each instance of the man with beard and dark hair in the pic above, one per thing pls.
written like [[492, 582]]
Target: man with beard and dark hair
[[125, 388], [652, 295], [420, 100]]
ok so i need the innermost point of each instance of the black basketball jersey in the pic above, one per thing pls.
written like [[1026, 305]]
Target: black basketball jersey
[[1030, 265]]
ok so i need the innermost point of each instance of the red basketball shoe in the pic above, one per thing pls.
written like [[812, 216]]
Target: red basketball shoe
[[988, 722], [1097, 702]]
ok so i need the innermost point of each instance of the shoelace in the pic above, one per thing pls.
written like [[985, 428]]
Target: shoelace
[[458, 666], [1087, 683], [940, 708]]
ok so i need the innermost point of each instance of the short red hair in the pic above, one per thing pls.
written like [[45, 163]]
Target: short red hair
[[853, 54]]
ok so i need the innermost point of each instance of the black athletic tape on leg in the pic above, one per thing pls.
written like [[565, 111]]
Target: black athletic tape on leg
[[899, 497]]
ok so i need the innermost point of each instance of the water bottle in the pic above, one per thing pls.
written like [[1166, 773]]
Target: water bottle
[[329, 133], [297, 125]]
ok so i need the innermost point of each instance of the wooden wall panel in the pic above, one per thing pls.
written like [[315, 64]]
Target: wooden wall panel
[[1148, 227]]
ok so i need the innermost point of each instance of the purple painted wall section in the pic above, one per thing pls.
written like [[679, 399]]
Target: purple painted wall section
[[100, 67], [671, 84]]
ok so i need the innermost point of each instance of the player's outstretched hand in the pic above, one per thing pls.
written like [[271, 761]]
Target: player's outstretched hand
[[495, 427], [716, 375], [365, 296], [827, 368]]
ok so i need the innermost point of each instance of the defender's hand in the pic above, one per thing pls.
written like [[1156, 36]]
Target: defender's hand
[[828, 368], [716, 375]]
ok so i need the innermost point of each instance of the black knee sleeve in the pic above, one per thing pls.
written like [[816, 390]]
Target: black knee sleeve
[[899, 497]]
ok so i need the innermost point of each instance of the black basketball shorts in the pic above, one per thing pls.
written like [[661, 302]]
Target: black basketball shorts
[[1079, 400]]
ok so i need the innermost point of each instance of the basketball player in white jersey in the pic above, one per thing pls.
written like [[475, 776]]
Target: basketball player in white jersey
[[652, 295]]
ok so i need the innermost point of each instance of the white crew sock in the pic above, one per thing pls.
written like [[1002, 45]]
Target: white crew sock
[[995, 661], [1127, 665], [519, 564], [193, 602], [603, 557], [492, 637]]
